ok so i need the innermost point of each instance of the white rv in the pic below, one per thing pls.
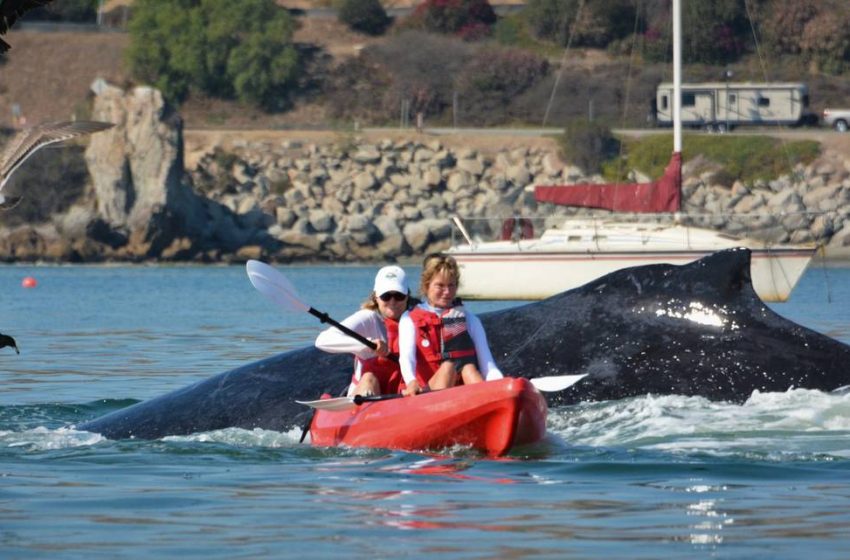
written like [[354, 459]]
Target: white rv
[[721, 106]]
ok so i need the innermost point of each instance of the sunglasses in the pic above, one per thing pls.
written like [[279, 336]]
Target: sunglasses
[[393, 295]]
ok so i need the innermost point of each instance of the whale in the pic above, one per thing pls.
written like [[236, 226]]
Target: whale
[[697, 329]]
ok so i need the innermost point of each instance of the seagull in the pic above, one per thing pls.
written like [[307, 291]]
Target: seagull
[[30, 140], [11, 10], [6, 340]]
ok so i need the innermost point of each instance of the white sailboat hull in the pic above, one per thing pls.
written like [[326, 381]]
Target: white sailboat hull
[[569, 257], [581, 251]]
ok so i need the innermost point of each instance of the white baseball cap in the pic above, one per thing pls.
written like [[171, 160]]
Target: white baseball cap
[[391, 279]]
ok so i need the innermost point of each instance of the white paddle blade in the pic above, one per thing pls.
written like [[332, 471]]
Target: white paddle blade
[[274, 285], [334, 405], [556, 382]]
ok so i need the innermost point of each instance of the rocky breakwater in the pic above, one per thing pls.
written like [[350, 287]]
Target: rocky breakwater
[[810, 204], [393, 199], [349, 199]]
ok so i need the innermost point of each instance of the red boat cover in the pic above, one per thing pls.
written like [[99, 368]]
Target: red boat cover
[[663, 195]]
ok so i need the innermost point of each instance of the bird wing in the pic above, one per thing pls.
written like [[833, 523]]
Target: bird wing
[[11, 10], [30, 140]]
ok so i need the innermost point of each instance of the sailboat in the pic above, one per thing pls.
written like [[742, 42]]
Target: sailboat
[[581, 250]]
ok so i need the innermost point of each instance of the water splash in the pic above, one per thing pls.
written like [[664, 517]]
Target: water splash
[[799, 424], [46, 439]]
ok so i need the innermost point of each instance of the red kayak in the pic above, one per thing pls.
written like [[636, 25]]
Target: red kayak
[[492, 417]]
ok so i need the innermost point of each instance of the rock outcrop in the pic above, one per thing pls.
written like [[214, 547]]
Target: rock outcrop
[[137, 170]]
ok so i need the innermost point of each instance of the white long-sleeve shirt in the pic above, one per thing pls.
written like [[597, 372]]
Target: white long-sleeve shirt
[[407, 345], [364, 322]]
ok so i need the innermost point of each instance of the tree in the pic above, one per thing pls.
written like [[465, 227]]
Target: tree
[[467, 18], [492, 79], [224, 49], [366, 16], [712, 32], [589, 24], [826, 41], [552, 19], [783, 24], [421, 65]]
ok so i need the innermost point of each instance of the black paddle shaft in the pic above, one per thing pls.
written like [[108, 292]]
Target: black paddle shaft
[[325, 318], [360, 399]]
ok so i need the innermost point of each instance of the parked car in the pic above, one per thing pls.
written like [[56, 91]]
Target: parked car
[[839, 119]]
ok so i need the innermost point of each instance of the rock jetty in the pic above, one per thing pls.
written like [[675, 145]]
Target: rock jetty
[[353, 200]]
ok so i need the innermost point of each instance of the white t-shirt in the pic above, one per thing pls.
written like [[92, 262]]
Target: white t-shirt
[[407, 345], [365, 322]]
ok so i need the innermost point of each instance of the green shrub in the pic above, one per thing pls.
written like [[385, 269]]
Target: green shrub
[[717, 32], [239, 50], [510, 30], [420, 69], [588, 145], [466, 18], [590, 24], [783, 22], [366, 16], [826, 41], [492, 79], [357, 89]]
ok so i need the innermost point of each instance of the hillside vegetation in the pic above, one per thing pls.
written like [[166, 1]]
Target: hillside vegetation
[[454, 63]]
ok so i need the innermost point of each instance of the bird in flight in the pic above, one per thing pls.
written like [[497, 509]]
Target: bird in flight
[[30, 140], [6, 340], [10, 11]]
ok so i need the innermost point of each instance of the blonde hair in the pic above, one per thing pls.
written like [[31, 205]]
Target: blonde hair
[[371, 303], [434, 265]]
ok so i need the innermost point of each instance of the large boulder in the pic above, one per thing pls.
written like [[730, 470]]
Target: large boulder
[[137, 167]]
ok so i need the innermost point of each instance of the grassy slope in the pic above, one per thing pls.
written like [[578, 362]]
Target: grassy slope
[[49, 75]]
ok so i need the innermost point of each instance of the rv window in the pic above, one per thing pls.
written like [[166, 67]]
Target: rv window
[[689, 100], [764, 102], [664, 102], [732, 98]]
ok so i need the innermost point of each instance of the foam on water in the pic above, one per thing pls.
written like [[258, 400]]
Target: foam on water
[[239, 437], [799, 424], [46, 439]]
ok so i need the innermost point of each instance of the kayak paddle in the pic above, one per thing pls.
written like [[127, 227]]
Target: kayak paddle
[[277, 287], [555, 383], [346, 403], [543, 384]]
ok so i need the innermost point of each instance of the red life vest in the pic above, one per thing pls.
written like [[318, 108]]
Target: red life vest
[[440, 338], [386, 370]]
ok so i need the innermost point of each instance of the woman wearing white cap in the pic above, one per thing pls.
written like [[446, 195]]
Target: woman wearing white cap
[[376, 372]]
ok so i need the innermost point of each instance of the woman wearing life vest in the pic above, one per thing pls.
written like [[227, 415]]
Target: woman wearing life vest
[[376, 372], [441, 344]]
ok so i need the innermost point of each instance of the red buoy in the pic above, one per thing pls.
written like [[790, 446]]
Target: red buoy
[[29, 282]]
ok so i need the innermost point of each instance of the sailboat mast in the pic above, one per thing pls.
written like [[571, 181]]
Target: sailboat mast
[[677, 77]]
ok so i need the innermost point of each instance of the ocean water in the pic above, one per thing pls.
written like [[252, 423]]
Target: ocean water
[[649, 477]]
